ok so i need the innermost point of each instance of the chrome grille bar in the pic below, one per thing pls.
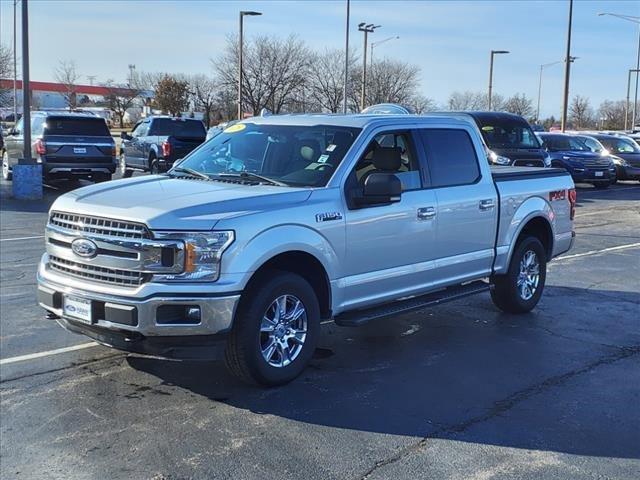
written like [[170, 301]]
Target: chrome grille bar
[[98, 274], [98, 225]]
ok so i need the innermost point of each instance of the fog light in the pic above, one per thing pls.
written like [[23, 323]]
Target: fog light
[[193, 314]]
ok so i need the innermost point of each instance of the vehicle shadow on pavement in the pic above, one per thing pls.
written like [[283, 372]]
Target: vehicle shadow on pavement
[[51, 191], [558, 379]]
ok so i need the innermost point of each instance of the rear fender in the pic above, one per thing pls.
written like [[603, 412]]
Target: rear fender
[[529, 209]]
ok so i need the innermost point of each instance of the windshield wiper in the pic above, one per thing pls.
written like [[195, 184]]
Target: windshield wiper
[[192, 172], [255, 176]]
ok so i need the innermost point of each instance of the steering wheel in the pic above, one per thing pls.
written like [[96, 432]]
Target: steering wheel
[[323, 166]]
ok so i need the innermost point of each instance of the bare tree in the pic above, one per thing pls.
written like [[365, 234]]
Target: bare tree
[[326, 79], [388, 81], [66, 74], [580, 112], [273, 70], [519, 104], [469, 100], [171, 95], [121, 98], [204, 92], [421, 104], [612, 114], [6, 71]]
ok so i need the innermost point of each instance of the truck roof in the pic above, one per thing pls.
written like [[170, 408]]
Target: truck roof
[[357, 120]]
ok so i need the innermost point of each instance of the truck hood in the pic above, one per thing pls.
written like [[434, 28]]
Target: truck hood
[[168, 203]]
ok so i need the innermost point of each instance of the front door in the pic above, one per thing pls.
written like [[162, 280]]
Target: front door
[[389, 248]]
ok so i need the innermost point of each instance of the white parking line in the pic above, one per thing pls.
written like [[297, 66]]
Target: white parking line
[[57, 351], [20, 238], [595, 252]]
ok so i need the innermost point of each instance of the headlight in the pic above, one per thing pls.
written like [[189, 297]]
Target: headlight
[[202, 254], [499, 159], [619, 161]]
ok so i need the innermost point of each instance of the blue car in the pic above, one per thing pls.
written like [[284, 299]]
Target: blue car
[[584, 165]]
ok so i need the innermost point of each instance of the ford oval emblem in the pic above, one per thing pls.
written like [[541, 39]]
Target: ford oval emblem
[[84, 247]]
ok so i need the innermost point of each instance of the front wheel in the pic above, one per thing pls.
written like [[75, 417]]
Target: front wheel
[[275, 331], [126, 173], [520, 289]]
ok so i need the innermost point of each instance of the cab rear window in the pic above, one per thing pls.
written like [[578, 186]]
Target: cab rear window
[[178, 128], [90, 127]]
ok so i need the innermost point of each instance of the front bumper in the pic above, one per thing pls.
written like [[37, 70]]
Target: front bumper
[[590, 176], [129, 322], [628, 173]]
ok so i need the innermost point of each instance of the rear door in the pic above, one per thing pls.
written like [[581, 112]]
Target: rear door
[[77, 140], [135, 147], [467, 205]]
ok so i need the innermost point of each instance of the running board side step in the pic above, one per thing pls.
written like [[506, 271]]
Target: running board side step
[[356, 318]]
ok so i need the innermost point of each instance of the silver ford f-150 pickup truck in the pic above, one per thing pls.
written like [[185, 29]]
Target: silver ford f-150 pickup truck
[[281, 222]]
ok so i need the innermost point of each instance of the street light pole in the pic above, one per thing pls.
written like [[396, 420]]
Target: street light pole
[[346, 62], [367, 29], [567, 72], [540, 87], [26, 90], [375, 44], [626, 104], [15, 67], [493, 53], [240, 47], [633, 19]]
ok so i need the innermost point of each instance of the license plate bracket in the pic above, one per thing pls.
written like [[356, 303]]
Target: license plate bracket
[[77, 308]]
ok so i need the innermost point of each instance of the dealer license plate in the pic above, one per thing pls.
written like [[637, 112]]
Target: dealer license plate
[[79, 150], [77, 308]]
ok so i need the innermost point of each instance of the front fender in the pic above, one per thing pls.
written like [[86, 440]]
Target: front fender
[[255, 252], [529, 209]]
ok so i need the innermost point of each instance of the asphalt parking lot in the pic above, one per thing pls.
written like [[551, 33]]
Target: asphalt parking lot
[[456, 392]]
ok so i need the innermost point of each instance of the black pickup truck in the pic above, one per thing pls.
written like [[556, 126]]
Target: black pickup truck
[[156, 142]]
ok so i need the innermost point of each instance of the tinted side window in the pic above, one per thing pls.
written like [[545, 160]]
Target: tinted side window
[[77, 126], [451, 157]]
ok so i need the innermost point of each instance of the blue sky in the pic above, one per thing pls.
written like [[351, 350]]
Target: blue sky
[[449, 40]]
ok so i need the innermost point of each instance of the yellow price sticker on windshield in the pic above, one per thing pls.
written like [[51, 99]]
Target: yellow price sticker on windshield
[[238, 127]]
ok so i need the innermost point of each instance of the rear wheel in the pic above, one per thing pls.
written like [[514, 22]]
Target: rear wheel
[[154, 166], [6, 172], [520, 289], [275, 330]]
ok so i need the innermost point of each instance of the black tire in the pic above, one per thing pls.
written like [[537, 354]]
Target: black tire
[[243, 354], [154, 166], [505, 292]]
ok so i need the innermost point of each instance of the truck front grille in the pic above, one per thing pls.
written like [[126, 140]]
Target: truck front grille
[[98, 274], [97, 225], [528, 162]]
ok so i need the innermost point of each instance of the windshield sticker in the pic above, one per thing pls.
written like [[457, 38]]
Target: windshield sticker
[[331, 148], [323, 158], [238, 127], [487, 128]]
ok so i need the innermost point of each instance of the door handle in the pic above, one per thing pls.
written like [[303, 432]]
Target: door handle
[[486, 204], [426, 213]]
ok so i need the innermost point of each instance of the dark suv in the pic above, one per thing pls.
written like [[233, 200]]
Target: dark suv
[[510, 140], [67, 144], [156, 142]]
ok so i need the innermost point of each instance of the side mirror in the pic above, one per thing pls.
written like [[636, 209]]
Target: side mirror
[[125, 136], [380, 189]]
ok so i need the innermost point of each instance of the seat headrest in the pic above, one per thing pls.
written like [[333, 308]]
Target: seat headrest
[[387, 158]]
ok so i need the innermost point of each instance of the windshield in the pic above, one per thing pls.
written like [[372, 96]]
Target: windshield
[[508, 135], [564, 143], [293, 155], [593, 144], [619, 145]]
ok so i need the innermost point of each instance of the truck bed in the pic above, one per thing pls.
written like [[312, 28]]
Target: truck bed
[[501, 174]]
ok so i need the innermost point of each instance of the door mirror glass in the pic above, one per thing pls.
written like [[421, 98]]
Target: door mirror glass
[[380, 189]]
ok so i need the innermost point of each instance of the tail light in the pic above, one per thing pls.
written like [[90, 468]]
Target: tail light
[[573, 199], [113, 150], [166, 149], [41, 147]]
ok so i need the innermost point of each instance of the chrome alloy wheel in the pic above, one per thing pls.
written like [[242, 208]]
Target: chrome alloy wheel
[[123, 163], [529, 275], [5, 165], [283, 331]]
